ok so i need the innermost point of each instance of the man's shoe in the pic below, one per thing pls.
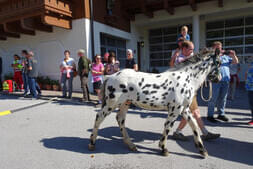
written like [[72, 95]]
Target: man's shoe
[[179, 136], [212, 120], [223, 118], [28, 96], [210, 136], [62, 97], [250, 122]]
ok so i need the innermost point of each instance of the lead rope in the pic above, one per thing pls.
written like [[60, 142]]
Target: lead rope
[[210, 91]]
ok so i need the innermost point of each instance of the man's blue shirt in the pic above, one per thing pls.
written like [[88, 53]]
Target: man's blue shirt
[[224, 68]]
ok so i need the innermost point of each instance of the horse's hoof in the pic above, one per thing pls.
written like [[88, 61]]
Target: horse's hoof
[[91, 147], [165, 152], [133, 148], [204, 153]]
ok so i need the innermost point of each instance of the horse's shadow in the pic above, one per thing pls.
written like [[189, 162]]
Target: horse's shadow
[[226, 149], [110, 142]]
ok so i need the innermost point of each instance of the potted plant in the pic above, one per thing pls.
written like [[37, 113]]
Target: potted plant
[[8, 76], [48, 83], [56, 85], [41, 81]]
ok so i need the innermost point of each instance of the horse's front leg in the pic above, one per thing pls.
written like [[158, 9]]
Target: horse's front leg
[[197, 139], [121, 119], [105, 111], [173, 112]]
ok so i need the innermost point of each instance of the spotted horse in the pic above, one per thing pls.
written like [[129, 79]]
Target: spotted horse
[[172, 91]]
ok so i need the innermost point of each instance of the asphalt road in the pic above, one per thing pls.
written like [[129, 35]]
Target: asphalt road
[[55, 135]]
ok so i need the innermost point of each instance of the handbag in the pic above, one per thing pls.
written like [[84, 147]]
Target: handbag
[[75, 73]]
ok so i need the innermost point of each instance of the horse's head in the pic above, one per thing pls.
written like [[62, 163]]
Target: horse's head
[[214, 75]]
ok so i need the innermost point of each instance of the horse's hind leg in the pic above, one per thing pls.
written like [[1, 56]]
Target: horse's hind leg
[[105, 111], [121, 119], [197, 139], [172, 115]]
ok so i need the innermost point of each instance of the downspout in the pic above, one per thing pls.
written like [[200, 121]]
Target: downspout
[[92, 29]]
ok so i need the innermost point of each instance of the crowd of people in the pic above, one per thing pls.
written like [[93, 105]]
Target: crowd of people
[[98, 69], [25, 74], [26, 71]]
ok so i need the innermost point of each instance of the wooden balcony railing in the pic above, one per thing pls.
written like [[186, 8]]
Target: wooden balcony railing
[[26, 16], [19, 7]]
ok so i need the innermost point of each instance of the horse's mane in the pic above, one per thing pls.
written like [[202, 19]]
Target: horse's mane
[[202, 55]]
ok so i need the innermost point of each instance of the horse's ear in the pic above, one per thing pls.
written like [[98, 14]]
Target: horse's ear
[[217, 52]]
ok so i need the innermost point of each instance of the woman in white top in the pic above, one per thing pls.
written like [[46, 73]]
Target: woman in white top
[[67, 68]]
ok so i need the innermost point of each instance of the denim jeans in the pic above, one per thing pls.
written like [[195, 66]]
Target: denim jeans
[[32, 86], [250, 97], [64, 79], [219, 98], [26, 84], [25, 80]]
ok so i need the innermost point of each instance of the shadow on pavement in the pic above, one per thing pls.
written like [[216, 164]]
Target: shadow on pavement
[[226, 149], [109, 141], [57, 100], [149, 114], [232, 124]]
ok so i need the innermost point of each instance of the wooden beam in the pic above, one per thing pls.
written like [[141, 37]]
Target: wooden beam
[[220, 3], [8, 34], [35, 23], [17, 27], [168, 7], [193, 5], [59, 22], [144, 9]]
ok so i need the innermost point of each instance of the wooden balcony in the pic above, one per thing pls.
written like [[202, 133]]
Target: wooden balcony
[[25, 16]]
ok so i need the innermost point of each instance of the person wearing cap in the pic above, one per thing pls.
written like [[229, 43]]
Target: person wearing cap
[[97, 73], [130, 62], [32, 72], [83, 71], [67, 68]]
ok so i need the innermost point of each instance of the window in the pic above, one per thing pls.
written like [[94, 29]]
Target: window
[[109, 6], [161, 43], [113, 44], [235, 34]]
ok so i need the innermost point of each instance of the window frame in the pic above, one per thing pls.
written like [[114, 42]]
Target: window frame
[[242, 56]]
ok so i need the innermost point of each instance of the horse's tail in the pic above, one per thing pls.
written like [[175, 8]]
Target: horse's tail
[[102, 92]]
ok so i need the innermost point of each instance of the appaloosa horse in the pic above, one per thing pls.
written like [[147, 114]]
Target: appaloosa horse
[[172, 90]]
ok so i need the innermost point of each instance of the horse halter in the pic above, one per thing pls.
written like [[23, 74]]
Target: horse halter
[[214, 76]]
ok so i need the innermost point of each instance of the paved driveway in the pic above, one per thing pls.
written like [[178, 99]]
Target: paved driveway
[[44, 134]]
